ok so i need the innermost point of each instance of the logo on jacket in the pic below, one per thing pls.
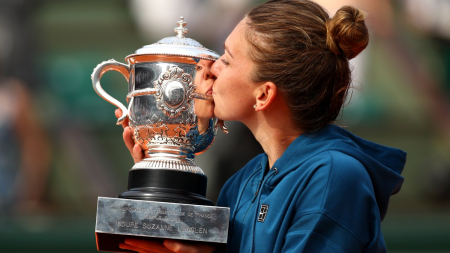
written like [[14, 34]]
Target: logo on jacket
[[263, 212]]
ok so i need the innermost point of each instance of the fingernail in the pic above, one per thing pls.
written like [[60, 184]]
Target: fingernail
[[168, 243]]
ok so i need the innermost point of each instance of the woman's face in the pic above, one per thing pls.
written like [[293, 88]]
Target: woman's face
[[204, 109], [233, 90]]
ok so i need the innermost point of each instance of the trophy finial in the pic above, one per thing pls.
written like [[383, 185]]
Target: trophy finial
[[180, 30]]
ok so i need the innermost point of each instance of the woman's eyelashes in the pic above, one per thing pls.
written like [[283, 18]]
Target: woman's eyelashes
[[225, 62], [198, 68]]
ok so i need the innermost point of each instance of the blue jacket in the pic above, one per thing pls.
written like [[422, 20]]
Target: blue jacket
[[328, 192]]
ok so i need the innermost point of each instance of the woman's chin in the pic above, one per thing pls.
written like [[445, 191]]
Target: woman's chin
[[211, 113], [218, 114]]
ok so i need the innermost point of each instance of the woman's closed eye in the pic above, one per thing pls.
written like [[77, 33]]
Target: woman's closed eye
[[225, 62]]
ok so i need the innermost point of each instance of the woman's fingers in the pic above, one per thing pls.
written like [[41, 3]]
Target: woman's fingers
[[118, 113], [133, 248], [137, 154], [144, 246], [182, 247], [168, 246], [128, 139], [135, 150]]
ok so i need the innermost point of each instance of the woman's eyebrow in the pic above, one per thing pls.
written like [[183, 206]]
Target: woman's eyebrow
[[227, 50]]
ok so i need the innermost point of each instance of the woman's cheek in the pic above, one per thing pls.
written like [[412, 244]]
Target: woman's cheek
[[221, 109], [217, 111]]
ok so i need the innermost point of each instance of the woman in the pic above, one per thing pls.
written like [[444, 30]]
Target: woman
[[317, 188], [204, 109]]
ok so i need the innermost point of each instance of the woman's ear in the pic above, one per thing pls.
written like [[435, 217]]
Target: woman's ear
[[265, 95]]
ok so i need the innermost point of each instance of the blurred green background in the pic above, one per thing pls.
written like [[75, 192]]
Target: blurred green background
[[60, 148]]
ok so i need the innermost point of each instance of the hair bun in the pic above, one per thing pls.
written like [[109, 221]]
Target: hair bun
[[347, 33]]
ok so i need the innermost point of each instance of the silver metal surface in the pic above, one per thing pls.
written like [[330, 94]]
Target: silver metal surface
[[161, 101], [180, 30], [162, 220], [97, 75], [175, 94], [178, 46], [202, 96]]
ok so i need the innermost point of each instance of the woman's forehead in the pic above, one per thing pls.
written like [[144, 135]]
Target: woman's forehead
[[236, 39], [202, 63]]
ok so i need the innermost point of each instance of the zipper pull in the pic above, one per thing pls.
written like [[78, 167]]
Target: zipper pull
[[257, 191]]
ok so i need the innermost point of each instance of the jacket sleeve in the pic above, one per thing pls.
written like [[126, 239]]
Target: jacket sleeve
[[316, 232]]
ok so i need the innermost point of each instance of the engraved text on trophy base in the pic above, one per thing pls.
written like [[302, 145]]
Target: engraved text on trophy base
[[160, 219]]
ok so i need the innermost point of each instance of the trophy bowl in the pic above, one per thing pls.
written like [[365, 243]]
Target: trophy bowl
[[170, 113]]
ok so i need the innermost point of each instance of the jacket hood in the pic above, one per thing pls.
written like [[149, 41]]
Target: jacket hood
[[383, 164]]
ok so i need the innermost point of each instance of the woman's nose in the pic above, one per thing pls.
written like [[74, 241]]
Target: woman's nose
[[215, 69], [207, 71]]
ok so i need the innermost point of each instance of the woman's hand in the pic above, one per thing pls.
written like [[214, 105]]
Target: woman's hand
[[135, 150], [168, 246]]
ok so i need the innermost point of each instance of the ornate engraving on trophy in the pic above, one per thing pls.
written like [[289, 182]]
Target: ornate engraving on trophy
[[154, 220], [175, 91], [137, 137], [162, 134], [154, 226], [158, 218]]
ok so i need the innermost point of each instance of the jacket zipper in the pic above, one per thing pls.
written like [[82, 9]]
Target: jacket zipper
[[272, 172], [238, 202]]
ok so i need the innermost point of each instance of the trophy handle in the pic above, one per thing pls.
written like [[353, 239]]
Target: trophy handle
[[101, 69], [221, 124]]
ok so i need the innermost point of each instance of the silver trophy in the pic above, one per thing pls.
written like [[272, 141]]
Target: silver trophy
[[170, 111]]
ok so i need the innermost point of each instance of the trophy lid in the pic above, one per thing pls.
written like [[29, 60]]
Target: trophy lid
[[177, 46]]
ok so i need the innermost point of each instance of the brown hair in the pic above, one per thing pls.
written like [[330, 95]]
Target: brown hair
[[297, 46]]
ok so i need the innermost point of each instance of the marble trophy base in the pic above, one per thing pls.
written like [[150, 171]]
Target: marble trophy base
[[173, 208]]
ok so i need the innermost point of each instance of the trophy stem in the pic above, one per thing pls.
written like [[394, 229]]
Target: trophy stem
[[167, 186], [168, 162]]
